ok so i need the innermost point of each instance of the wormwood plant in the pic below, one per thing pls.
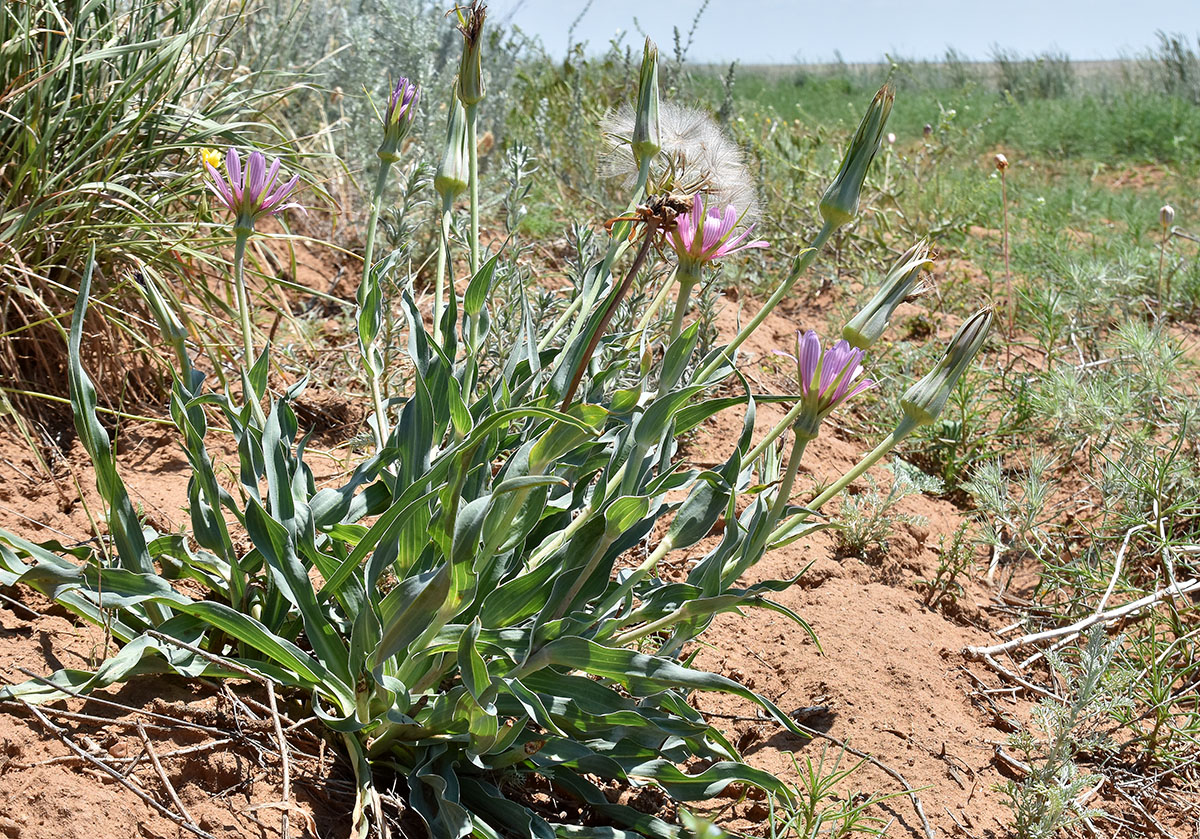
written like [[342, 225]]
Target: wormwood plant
[[1046, 801], [462, 611]]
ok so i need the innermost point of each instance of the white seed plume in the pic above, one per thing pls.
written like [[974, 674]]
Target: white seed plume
[[696, 156]]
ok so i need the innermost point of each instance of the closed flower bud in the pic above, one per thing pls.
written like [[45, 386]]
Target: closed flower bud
[[839, 205], [927, 131], [454, 173], [1166, 216], [646, 135], [891, 138], [866, 327], [470, 68], [924, 401], [1001, 162]]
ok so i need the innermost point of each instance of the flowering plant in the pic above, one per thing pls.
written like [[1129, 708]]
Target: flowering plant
[[464, 610]]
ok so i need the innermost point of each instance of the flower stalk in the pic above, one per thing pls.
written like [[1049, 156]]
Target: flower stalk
[[1166, 217], [397, 122], [470, 93], [451, 180], [251, 195], [1002, 167], [799, 267]]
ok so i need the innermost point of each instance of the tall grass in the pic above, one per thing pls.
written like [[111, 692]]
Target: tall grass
[[106, 105]]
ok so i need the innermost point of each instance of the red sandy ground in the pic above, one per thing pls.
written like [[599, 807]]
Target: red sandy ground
[[891, 675]]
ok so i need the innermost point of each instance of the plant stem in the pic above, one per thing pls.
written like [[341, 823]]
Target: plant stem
[[581, 366], [616, 246], [439, 287], [789, 479], [802, 264], [381, 427], [473, 159], [901, 431], [648, 565], [243, 303], [598, 550], [1008, 290], [1163, 291], [652, 309], [688, 278], [781, 426]]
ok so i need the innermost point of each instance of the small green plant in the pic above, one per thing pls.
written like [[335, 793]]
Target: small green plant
[[1015, 512], [943, 589], [823, 806], [1046, 801], [866, 520]]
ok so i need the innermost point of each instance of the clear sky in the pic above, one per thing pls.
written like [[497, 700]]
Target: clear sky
[[776, 31]]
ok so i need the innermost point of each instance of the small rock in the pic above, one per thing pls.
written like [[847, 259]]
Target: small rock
[[758, 812]]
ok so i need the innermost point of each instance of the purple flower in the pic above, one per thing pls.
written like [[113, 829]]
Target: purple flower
[[826, 379], [402, 105], [701, 236], [257, 194]]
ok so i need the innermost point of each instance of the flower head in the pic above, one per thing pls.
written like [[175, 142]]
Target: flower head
[[210, 157], [902, 282], [827, 379], [470, 66], [645, 141], [252, 195], [839, 205], [701, 236], [401, 113], [1001, 161], [453, 173]]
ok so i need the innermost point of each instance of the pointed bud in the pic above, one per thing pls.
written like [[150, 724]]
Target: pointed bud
[[924, 401], [1166, 216], [865, 328], [454, 172], [470, 68], [646, 142], [839, 206]]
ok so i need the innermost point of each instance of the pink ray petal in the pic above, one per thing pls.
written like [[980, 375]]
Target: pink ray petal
[[810, 359]]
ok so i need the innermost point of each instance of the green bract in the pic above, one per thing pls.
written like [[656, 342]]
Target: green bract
[[839, 205]]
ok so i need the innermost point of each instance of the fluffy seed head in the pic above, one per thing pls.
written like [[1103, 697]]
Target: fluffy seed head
[[695, 157]]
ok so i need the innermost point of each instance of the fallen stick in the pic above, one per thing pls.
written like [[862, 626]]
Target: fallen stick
[[162, 775], [1132, 608]]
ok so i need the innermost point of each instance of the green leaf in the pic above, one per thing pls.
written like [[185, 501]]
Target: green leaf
[[478, 288]]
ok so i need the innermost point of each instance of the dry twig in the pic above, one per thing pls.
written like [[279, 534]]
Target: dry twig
[[162, 775]]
